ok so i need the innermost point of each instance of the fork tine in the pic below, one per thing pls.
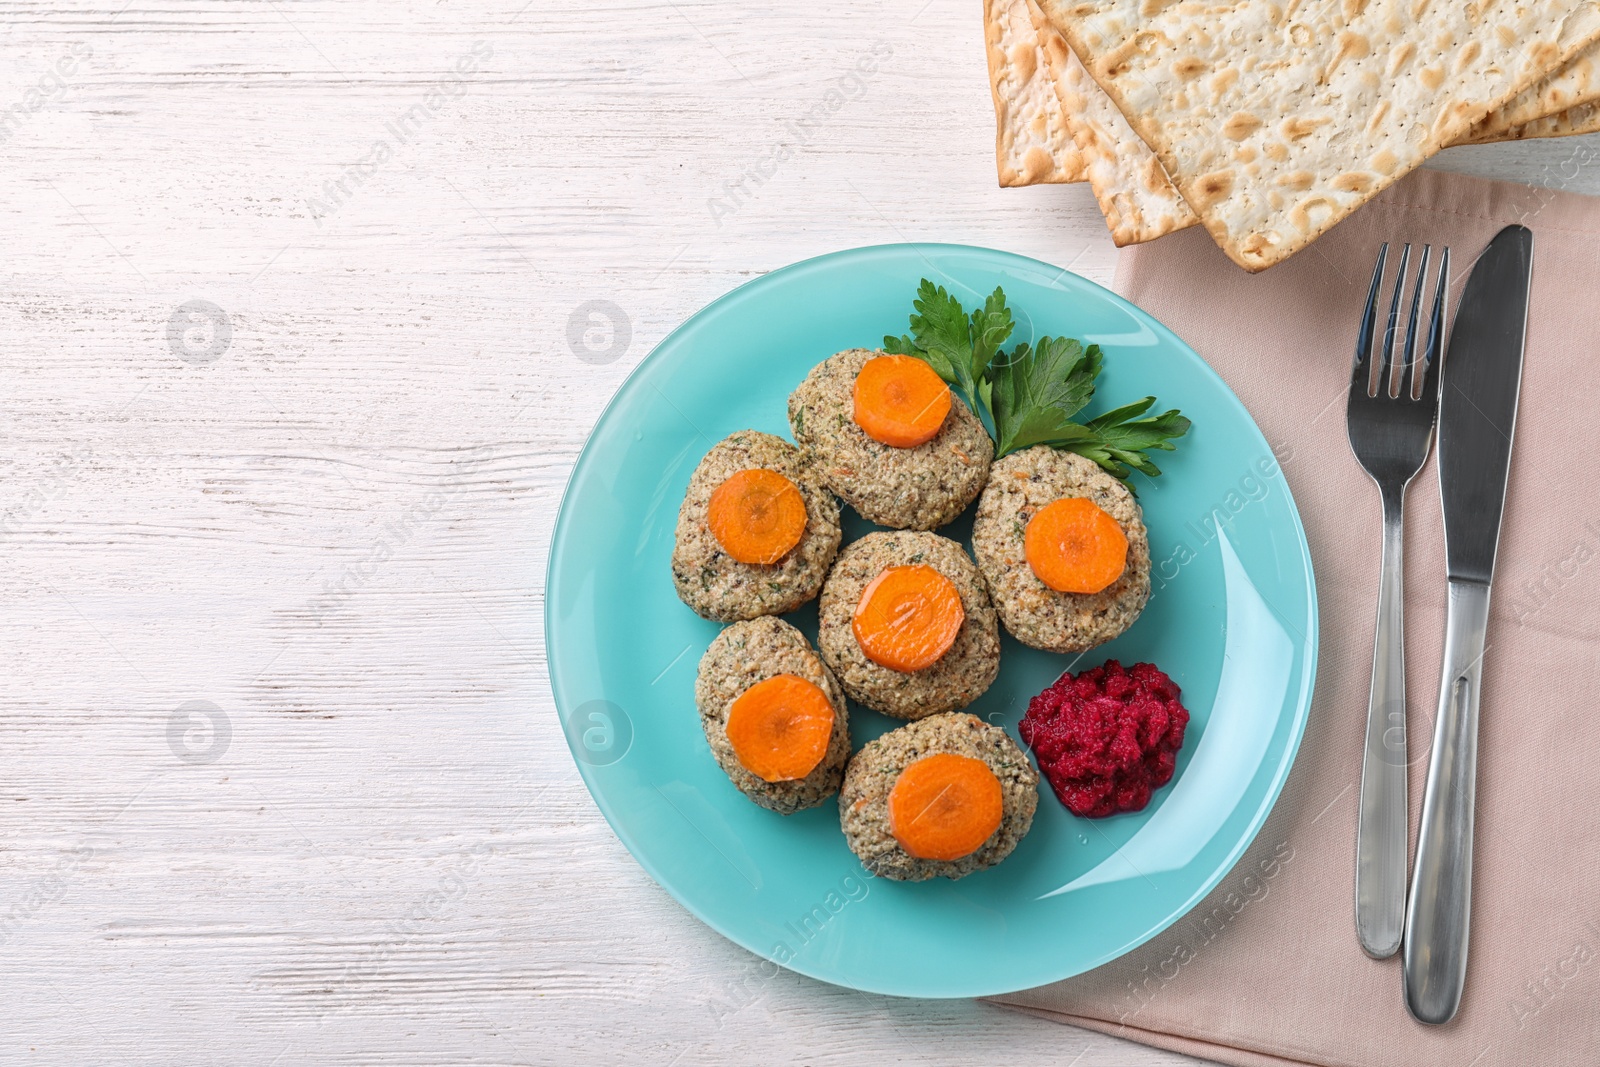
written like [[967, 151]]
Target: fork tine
[[1409, 378], [1434, 353], [1369, 322], [1386, 372]]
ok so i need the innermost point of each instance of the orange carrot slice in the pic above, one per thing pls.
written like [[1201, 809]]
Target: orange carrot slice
[[908, 617], [945, 806], [1075, 547], [900, 401], [779, 728], [757, 516]]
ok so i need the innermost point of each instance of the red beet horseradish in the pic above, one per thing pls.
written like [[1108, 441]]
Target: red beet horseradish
[[1107, 738]]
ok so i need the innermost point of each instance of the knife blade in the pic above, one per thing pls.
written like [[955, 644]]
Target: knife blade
[[1482, 376], [1480, 385]]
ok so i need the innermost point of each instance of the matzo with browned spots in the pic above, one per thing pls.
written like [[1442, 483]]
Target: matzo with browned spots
[[1276, 120]]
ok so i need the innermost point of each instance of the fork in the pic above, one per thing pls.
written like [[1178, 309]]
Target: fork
[[1390, 417]]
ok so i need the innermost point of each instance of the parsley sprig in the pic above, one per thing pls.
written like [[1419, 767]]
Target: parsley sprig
[[1030, 395]]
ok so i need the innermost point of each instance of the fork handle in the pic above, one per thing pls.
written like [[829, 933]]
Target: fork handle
[[1381, 829]]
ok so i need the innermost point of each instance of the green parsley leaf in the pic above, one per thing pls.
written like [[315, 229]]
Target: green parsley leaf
[[991, 327], [941, 329], [1122, 439], [1038, 390], [1031, 395]]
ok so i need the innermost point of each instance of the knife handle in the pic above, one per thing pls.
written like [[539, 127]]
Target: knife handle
[[1381, 826], [1440, 907]]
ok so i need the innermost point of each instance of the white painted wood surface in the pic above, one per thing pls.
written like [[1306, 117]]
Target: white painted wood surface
[[367, 843]]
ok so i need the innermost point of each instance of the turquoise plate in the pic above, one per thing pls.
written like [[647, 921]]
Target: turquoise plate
[[1232, 618]]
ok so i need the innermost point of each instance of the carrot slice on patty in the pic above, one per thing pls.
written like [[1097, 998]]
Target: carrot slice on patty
[[900, 401], [779, 728], [908, 617], [1075, 547], [945, 806], [757, 516]]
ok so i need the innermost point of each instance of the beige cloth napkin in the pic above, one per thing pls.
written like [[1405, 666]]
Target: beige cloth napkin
[[1267, 971]]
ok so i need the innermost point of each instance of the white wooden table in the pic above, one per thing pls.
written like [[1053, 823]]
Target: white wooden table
[[291, 386]]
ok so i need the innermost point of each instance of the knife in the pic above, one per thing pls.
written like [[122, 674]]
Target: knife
[[1481, 377]]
